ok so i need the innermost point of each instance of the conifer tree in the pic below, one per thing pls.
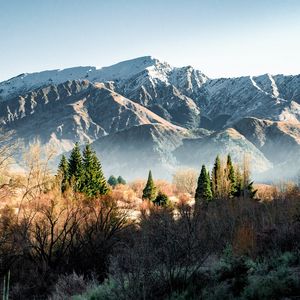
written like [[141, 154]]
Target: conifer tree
[[121, 180], [149, 192], [161, 199], [250, 191], [75, 168], [112, 180], [62, 172], [231, 177], [93, 179], [216, 178], [203, 191]]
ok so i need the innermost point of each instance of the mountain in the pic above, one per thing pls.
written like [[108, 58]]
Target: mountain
[[145, 110], [73, 111], [205, 149], [140, 148]]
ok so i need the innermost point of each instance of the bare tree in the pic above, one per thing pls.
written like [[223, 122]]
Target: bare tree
[[38, 178], [185, 180], [8, 147]]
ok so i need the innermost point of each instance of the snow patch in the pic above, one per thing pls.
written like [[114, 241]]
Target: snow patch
[[274, 86]]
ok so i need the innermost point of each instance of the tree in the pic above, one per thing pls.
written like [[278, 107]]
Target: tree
[[121, 180], [161, 199], [63, 173], [231, 177], [250, 191], [75, 168], [216, 178], [185, 180], [94, 181], [112, 180], [239, 182], [149, 191], [203, 191], [244, 185]]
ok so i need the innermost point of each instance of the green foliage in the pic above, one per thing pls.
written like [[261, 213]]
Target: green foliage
[[149, 192], [251, 192], [216, 178], [203, 191], [276, 284], [112, 180], [121, 180], [161, 199], [93, 181], [108, 290], [231, 177], [75, 168], [63, 173], [246, 191]]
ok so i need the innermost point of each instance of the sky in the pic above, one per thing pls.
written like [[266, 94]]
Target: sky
[[222, 38]]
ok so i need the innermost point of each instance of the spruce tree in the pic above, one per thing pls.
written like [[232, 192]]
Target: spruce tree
[[93, 179], [231, 177], [121, 180], [75, 168], [203, 191], [112, 180], [62, 172], [216, 178], [149, 192]]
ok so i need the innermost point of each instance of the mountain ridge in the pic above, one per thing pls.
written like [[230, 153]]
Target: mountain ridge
[[94, 103]]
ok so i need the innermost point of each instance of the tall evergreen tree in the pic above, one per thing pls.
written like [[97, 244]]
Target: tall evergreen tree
[[231, 177], [63, 173], [216, 178], [203, 191], [94, 181], [75, 168], [149, 192]]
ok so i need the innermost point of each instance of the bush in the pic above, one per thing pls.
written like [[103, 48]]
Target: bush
[[273, 285], [108, 290], [68, 286]]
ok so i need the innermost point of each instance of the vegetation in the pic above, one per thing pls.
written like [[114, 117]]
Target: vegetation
[[113, 181], [71, 237], [149, 192], [83, 173], [161, 199], [203, 191]]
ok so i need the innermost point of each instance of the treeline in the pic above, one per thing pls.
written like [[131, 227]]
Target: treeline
[[226, 181], [69, 234]]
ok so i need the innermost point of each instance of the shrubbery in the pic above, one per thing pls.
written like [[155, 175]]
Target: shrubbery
[[62, 240]]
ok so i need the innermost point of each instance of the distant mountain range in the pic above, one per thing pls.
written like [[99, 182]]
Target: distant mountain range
[[143, 113]]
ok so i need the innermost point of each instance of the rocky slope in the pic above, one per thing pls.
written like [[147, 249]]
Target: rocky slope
[[146, 108]]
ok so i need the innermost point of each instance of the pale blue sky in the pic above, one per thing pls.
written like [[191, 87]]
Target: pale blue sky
[[219, 37]]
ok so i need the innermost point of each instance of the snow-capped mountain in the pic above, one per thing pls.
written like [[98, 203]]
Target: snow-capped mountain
[[184, 116]]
